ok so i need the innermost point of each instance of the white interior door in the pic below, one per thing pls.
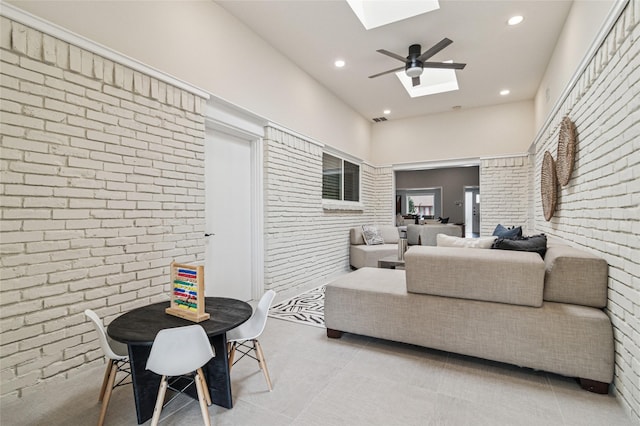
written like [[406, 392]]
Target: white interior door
[[228, 175]]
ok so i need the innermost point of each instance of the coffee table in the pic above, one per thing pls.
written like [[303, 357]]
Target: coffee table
[[390, 262]]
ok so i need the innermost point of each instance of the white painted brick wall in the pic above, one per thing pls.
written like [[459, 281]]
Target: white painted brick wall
[[599, 209], [101, 187], [305, 243], [505, 183]]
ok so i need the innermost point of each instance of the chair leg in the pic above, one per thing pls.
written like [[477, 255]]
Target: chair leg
[[232, 354], [107, 372], [159, 402], [107, 395], [262, 362], [207, 395], [201, 397]]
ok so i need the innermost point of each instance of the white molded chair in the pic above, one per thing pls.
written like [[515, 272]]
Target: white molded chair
[[178, 352], [118, 357], [248, 332]]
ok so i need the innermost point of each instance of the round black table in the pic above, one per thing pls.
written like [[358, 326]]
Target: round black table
[[138, 329]]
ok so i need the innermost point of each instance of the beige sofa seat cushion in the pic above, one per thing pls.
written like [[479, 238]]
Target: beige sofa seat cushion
[[575, 276], [575, 341], [361, 256], [491, 275]]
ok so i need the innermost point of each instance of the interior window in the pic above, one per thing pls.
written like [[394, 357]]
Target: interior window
[[425, 202]]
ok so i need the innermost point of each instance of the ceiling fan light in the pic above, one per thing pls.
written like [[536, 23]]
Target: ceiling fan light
[[414, 71], [515, 20]]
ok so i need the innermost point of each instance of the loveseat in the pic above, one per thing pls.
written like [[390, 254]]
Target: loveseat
[[506, 306], [362, 254]]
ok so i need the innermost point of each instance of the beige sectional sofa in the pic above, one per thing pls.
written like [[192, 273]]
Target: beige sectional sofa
[[362, 255], [506, 306]]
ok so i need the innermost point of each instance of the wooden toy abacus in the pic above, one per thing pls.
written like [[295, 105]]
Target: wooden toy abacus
[[187, 292]]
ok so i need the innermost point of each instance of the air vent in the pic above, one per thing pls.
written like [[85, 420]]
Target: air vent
[[379, 119]]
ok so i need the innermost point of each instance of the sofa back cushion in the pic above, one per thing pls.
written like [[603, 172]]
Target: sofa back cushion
[[429, 233], [511, 277], [426, 234], [389, 234], [575, 276]]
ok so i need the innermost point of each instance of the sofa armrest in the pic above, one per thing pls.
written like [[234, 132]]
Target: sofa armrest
[[575, 276]]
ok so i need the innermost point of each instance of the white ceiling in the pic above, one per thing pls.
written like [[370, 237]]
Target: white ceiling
[[313, 34]]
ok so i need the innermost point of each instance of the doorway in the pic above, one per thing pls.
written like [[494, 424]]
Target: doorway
[[228, 211], [472, 211], [234, 205]]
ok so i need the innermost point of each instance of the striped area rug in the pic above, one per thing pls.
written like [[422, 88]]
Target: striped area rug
[[306, 308]]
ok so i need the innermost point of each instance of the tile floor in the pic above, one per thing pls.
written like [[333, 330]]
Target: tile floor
[[350, 381]]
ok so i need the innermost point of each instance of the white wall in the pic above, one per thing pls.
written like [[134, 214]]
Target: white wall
[[305, 241], [200, 42], [599, 208], [505, 183], [583, 23], [102, 172], [479, 132]]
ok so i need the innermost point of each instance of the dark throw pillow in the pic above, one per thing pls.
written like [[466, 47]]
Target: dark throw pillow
[[534, 243], [502, 232]]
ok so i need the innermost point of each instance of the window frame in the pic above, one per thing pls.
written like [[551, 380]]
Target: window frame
[[342, 204]]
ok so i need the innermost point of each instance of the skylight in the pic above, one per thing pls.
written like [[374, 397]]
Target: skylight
[[374, 14], [432, 81]]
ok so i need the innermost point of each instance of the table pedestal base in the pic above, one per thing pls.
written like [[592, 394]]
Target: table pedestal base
[[146, 383]]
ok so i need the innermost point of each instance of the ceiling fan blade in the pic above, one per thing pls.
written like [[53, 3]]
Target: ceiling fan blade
[[386, 72], [393, 55], [444, 65], [415, 81], [435, 49]]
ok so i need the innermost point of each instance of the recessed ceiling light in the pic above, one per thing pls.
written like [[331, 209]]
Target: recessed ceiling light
[[339, 63], [505, 92], [387, 111], [515, 20]]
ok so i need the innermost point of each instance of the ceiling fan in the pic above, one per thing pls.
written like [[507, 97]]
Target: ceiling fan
[[415, 63]]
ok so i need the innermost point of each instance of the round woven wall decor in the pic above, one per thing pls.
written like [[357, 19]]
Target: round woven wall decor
[[548, 186], [566, 151]]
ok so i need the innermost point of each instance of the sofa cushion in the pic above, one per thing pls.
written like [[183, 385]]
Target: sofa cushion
[[503, 232], [389, 233], [575, 276], [534, 243], [449, 241], [429, 233], [371, 235], [506, 276], [426, 234], [363, 255], [413, 234]]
